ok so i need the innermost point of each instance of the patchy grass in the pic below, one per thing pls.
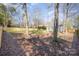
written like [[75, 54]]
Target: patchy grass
[[39, 31], [22, 30], [15, 30]]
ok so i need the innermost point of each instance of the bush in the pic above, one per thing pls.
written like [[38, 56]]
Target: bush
[[77, 32], [42, 27]]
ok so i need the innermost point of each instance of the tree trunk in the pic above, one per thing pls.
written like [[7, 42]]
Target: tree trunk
[[56, 9], [66, 18], [26, 17]]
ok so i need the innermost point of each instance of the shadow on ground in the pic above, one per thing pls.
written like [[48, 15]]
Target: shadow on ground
[[10, 46], [47, 47], [75, 43], [35, 46]]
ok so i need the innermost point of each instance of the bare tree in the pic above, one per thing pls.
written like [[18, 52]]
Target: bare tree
[[56, 15], [25, 15], [26, 18], [37, 20], [65, 11], [69, 13]]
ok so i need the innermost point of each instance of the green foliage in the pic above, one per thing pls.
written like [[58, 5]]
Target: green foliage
[[42, 27], [77, 32], [12, 10], [77, 19], [9, 23], [2, 13], [69, 24], [2, 7], [76, 23], [5, 14], [38, 31]]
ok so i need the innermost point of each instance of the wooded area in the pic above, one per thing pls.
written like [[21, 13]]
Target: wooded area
[[43, 29]]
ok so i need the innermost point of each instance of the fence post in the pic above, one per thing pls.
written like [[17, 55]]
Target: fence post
[[0, 35]]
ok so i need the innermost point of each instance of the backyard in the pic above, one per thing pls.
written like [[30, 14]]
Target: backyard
[[39, 44], [42, 29]]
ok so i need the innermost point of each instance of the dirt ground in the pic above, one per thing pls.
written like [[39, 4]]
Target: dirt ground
[[35, 46]]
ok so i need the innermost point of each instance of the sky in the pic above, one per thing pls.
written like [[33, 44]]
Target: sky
[[31, 7], [46, 14], [42, 9]]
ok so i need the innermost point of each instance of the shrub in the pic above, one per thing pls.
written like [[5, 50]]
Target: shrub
[[42, 27]]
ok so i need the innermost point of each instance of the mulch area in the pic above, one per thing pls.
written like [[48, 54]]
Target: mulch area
[[35, 46]]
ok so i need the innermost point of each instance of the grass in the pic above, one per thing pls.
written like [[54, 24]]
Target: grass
[[15, 30], [38, 31], [22, 30]]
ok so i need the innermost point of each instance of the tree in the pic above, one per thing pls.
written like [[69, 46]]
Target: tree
[[25, 15], [37, 20], [56, 15], [2, 14], [66, 8], [9, 23], [77, 26], [68, 14], [73, 13], [5, 14]]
